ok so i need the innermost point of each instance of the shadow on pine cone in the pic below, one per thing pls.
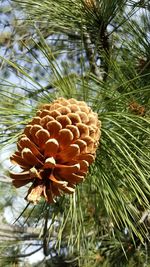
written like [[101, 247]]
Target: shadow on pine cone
[[56, 149]]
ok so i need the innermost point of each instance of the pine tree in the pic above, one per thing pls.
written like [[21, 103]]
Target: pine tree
[[97, 52]]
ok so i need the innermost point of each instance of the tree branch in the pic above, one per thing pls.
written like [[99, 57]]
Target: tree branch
[[91, 55], [106, 48]]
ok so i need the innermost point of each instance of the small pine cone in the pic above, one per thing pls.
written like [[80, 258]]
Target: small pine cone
[[137, 109], [56, 149], [90, 3]]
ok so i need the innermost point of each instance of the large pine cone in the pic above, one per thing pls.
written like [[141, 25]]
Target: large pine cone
[[56, 149]]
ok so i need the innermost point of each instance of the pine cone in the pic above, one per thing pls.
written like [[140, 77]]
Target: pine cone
[[137, 108], [90, 3], [56, 149]]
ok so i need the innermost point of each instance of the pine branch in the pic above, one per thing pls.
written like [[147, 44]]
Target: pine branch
[[104, 42], [91, 55]]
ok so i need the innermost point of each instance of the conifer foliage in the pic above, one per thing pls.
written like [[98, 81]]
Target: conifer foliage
[[75, 119]]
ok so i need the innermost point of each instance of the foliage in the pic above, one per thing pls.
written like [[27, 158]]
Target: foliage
[[97, 52]]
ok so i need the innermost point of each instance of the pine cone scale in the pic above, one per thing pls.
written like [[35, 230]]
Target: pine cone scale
[[20, 176], [51, 148]]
